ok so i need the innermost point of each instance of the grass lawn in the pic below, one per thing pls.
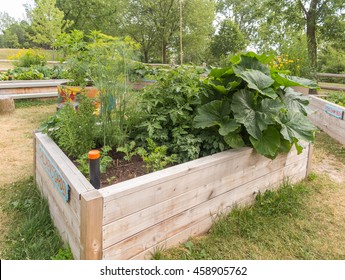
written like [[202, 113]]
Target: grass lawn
[[302, 221], [6, 53]]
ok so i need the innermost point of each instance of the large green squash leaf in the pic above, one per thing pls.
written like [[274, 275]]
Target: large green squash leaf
[[248, 62], [259, 81], [290, 81], [296, 126], [254, 118], [216, 85], [219, 72], [268, 144], [296, 101], [234, 140], [216, 113]]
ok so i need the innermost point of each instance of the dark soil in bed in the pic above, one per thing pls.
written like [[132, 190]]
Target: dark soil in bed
[[122, 170]]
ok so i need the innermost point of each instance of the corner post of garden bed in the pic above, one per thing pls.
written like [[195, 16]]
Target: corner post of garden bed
[[309, 163], [34, 154], [91, 237]]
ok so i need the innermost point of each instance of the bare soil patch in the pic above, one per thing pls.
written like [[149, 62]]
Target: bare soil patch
[[122, 170]]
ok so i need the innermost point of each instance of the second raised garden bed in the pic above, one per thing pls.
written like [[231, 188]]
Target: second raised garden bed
[[329, 117]]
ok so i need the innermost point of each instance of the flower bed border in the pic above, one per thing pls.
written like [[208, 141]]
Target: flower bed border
[[130, 219], [332, 124]]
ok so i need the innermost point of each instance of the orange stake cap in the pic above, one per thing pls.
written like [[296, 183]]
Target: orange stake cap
[[94, 154]]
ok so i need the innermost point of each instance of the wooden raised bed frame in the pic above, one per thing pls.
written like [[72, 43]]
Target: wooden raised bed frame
[[329, 117], [130, 219]]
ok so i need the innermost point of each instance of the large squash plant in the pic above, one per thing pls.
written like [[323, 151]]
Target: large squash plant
[[254, 105]]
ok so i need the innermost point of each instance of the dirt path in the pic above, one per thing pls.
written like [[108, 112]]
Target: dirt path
[[16, 147]]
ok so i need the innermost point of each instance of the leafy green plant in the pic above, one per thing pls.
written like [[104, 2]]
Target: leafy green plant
[[34, 72], [74, 47], [155, 157], [74, 130], [252, 105], [105, 161], [168, 108], [128, 149], [108, 70], [63, 254], [337, 97], [27, 58]]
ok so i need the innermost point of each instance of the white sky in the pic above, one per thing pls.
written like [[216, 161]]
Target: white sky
[[14, 8]]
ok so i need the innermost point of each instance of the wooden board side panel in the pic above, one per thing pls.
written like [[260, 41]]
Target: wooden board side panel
[[66, 167], [333, 126], [248, 167], [203, 202], [173, 228], [66, 220]]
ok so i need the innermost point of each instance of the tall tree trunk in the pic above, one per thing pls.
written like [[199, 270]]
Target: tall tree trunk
[[146, 56], [312, 44], [311, 16], [164, 52]]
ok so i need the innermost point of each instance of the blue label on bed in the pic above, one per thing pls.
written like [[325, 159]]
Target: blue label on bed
[[53, 172], [334, 111]]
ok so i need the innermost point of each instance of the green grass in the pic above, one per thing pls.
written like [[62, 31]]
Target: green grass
[[6, 53], [280, 225], [34, 102], [31, 234]]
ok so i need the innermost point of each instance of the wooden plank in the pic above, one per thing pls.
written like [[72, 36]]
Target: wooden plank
[[163, 231], [329, 124], [249, 167], [34, 95], [71, 172], [31, 83], [149, 180], [330, 75], [309, 162], [72, 205], [132, 224], [332, 87], [182, 236], [63, 215], [91, 225]]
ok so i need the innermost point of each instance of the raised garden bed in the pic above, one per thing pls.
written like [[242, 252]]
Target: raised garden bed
[[130, 219], [329, 117]]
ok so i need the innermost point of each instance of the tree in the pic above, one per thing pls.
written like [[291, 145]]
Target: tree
[[138, 22], [272, 19], [155, 24], [87, 15], [198, 18], [5, 21], [228, 40], [47, 23]]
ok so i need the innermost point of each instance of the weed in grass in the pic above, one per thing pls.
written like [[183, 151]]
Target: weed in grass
[[63, 254], [32, 234]]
